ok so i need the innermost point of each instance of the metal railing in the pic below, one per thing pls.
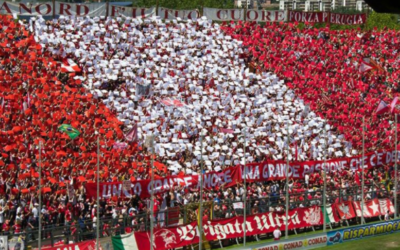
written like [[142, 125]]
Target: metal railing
[[323, 5], [81, 230]]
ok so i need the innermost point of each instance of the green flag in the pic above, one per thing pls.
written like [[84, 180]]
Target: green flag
[[124, 242], [69, 130], [330, 215]]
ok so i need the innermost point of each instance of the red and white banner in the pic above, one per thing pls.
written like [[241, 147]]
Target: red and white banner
[[345, 210], [276, 170], [326, 17], [84, 245], [346, 19], [84, 9], [262, 223], [27, 9], [255, 172], [370, 209], [182, 14], [172, 102], [212, 180], [169, 238], [266, 15], [69, 65], [100, 9], [386, 205], [123, 11], [224, 14]]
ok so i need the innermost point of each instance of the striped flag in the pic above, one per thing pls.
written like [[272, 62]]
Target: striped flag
[[364, 67], [132, 134], [393, 104], [382, 108], [69, 65], [331, 215]]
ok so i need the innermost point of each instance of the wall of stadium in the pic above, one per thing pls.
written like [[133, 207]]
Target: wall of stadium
[[334, 237]]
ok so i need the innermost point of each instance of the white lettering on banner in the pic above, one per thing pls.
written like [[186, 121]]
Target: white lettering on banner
[[346, 19], [165, 184], [263, 222], [137, 188], [311, 17], [212, 180], [188, 232]]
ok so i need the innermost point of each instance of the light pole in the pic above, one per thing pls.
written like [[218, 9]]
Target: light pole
[[287, 183], [98, 197], [324, 191], [362, 171], [152, 194], [245, 188], [201, 195], [40, 196], [395, 171]]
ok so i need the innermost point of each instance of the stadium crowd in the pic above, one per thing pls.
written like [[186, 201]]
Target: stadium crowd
[[199, 84], [326, 69]]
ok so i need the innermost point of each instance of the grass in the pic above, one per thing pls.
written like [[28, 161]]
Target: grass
[[347, 245], [385, 242]]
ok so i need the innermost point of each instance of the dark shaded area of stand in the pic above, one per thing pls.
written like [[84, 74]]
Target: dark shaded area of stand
[[385, 6]]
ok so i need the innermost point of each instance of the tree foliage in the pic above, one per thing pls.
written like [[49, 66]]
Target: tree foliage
[[382, 20]]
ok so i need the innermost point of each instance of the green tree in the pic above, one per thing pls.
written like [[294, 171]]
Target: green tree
[[381, 21]]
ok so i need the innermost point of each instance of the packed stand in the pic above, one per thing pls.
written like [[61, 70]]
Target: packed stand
[[34, 103], [199, 84], [326, 68]]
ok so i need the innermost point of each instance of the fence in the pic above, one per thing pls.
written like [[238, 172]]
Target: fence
[[83, 229], [323, 5]]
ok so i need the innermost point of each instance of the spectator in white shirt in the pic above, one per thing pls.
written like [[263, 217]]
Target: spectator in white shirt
[[277, 234]]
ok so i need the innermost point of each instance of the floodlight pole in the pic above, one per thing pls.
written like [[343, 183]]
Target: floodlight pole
[[201, 195], [40, 196], [152, 194], [324, 191], [98, 197], [287, 183], [395, 171], [245, 187], [362, 171]]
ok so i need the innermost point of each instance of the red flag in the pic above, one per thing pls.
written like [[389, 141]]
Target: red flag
[[120, 145], [382, 108], [393, 104], [345, 210], [371, 208], [365, 66], [226, 130], [167, 102], [131, 136], [69, 66], [178, 103], [386, 205]]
